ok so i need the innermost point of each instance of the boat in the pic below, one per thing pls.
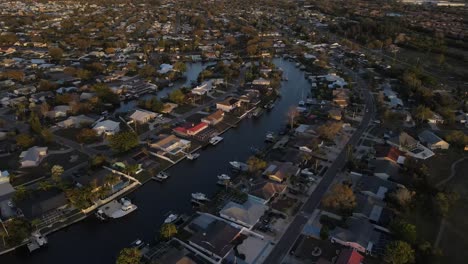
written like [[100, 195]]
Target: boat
[[200, 197], [223, 183], [257, 112], [193, 156], [171, 218], [101, 215], [215, 140], [36, 241], [301, 103], [223, 177], [239, 165], [161, 176], [126, 208], [170, 84], [270, 137], [270, 105], [137, 244]]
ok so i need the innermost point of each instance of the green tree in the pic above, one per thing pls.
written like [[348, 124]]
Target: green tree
[[404, 231], [457, 138], [35, 123], [87, 136], [329, 130], [21, 193], [55, 53], [56, 173], [167, 231], [444, 201], [177, 96], [147, 71], [24, 140], [423, 113], [180, 66], [123, 141], [98, 161], [104, 93], [256, 164], [129, 256], [18, 230], [399, 252], [324, 232]]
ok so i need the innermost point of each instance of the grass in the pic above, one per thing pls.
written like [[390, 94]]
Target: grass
[[454, 241], [439, 165], [286, 205], [182, 109]]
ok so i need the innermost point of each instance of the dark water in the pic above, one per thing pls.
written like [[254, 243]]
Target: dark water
[[91, 241], [193, 70]]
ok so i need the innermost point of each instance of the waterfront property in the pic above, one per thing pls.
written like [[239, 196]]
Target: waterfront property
[[228, 104], [171, 144], [246, 214]]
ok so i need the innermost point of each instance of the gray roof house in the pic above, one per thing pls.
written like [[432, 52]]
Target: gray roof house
[[375, 186], [384, 169], [246, 214], [360, 235], [33, 156], [432, 141]]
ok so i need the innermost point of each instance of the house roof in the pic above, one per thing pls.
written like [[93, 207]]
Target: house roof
[[107, 124], [389, 152], [429, 137], [198, 127], [249, 212], [142, 115], [349, 256], [385, 166], [403, 139], [265, 190], [32, 154], [359, 231], [215, 116], [375, 185], [217, 237], [42, 202]]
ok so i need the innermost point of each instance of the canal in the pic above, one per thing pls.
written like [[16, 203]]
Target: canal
[[91, 241]]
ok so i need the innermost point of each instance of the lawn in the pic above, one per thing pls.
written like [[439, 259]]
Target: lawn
[[182, 109], [439, 165], [285, 204], [454, 241]]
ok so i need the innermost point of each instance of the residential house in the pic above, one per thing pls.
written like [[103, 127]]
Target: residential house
[[228, 104], [143, 116], [214, 118], [246, 214], [41, 203], [372, 209], [107, 127], [360, 235], [33, 156], [172, 145], [374, 186], [265, 190], [349, 256], [432, 141], [190, 129], [168, 108], [390, 153], [435, 119], [403, 141], [59, 111], [261, 82], [334, 114], [203, 89], [384, 169], [76, 121], [213, 237], [280, 171], [341, 97]]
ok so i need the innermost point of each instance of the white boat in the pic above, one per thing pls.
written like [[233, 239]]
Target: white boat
[[239, 165], [193, 156], [307, 172], [224, 177], [170, 84], [162, 175], [215, 140], [36, 241], [137, 244], [101, 215], [301, 103], [270, 137], [199, 196], [171, 218], [126, 208]]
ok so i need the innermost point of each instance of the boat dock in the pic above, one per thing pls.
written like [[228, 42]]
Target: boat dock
[[111, 208]]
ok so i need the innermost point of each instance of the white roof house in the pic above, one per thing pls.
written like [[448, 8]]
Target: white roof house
[[143, 116], [246, 214], [33, 156], [107, 127], [203, 89], [75, 121]]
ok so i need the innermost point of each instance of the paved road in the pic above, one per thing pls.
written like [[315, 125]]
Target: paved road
[[295, 228]]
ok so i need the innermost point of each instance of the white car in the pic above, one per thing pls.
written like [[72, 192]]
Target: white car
[[307, 172]]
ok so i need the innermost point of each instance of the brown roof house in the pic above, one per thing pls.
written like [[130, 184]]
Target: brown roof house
[[280, 171], [214, 118], [264, 191]]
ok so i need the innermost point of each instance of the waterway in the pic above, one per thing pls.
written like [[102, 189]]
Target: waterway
[[91, 241], [191, 74]]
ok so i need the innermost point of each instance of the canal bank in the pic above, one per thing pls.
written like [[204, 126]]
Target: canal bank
[[92, 241]]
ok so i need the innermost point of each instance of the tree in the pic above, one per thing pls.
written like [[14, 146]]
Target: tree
[[423, 113], [168, 231], [444, 201], [329, 130], [98, 161], [104, 93], [399, 252], [180, 66], [55, 53], [129, 256], [256, 164], [35, 124], [177, 96], [404, 231], [147, 71], [24, 140], [340, 197], [87, 136], [123, 141], [56, 173], [18, 230], [457, 138], [324, 232], [402, 196], [292, 115]]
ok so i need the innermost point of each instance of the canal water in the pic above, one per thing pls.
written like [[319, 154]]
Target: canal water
[[91, 241], [193, 70]]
